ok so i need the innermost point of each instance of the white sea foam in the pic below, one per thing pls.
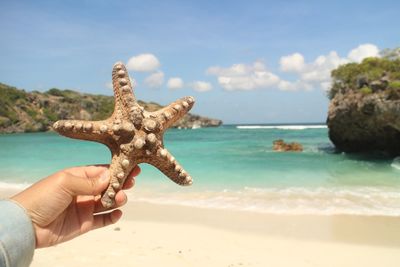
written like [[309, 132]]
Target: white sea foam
[[369, 201], [13, 186], [362, 200], [282, 127], [396, 163]]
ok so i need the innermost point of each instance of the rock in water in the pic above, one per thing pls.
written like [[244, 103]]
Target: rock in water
[[281, 146], [361, 123]]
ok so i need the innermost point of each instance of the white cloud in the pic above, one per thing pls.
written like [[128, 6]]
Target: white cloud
[[317, 74], [244, 76], [109, 85], [143, 62], [201, 86], [154, 80], [175, 83], [363, 51], [293, 62], [308, 75], [294, 86], [320, 69]]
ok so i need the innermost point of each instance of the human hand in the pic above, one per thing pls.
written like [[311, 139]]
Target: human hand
[[66, 204]]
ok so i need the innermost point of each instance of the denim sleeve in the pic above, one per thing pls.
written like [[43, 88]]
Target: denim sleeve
[[17, 236]]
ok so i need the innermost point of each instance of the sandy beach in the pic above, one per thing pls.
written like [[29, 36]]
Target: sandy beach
[[267, 133], [163, 235]]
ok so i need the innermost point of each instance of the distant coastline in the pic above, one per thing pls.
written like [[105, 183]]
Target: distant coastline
[[275, 123], [283, 127], [22, 111]]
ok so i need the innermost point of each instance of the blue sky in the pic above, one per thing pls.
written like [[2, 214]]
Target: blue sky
[[243, 61]]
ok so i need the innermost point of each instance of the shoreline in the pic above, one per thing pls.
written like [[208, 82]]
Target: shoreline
[[168, 235], [291, 201], [171, 235], [331, 228]]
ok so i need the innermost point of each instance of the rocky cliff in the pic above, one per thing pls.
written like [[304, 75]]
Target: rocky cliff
[[364, 112], [359, 123], [22, 111]]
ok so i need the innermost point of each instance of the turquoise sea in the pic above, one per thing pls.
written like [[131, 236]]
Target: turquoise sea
[[233, 167]]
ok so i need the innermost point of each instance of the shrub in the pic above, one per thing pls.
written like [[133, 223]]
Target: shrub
[[366, 90], [345, 77], [9, 96], [32, 113], [55, 92], [4, 122], [394, 85], [50, 114], [393, 94]]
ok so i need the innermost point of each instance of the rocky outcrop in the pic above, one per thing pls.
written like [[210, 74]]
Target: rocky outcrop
[[196, 121], [360, 122], [281, 146], [22, 111]]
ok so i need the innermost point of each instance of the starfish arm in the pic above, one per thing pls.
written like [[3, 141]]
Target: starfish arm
[[123, 91], [84, 130], [167, 164], [174, 111], [120, 168]]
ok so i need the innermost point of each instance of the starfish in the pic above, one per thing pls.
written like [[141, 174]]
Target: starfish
[[132, 134]]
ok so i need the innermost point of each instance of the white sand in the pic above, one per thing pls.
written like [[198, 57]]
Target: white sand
[[158, 235]]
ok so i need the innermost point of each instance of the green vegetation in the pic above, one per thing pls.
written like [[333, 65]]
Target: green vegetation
[[8, 97], [32, 113], [105, 106], [50, 114], [355, 76], [366, 90], [394, 90], [35, 111], [394, 85], [100, 107], [67, 95], [4, 122], [55, 92]]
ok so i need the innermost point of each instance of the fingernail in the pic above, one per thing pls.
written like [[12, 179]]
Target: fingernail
[[105, 177]]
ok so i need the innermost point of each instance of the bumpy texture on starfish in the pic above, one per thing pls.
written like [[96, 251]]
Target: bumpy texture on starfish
[[133, 135]]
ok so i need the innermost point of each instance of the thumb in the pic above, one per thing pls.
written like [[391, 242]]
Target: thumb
[[78, 185]]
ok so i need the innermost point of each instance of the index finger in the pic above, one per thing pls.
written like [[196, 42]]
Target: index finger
[[89, 171]]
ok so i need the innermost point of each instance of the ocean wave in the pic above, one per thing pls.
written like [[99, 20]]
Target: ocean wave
[[282, 127], [361, 200], [370, 201], [396, 163]]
